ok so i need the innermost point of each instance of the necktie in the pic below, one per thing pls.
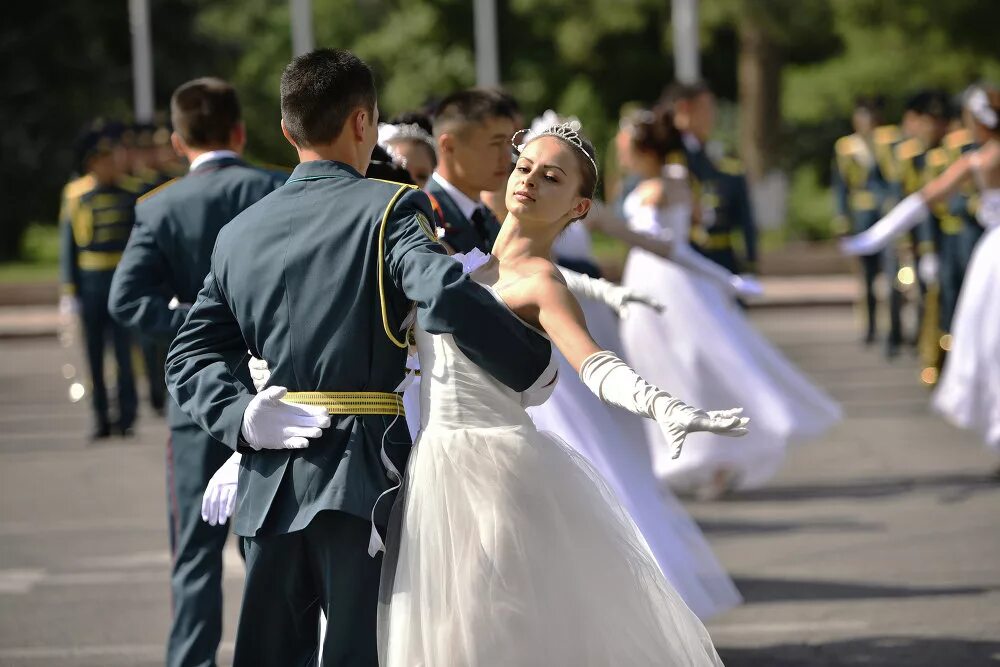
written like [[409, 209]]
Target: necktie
[[480, 222]]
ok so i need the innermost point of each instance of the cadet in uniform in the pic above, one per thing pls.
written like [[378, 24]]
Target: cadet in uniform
[[860, 189], [725, 209], [96, 220], [317, 279], [169, 255], [473, 130]]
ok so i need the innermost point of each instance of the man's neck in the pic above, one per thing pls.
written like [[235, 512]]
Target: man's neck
[[449, 175], [336, 152]]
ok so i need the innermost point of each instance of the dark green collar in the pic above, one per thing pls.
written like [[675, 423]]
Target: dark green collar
[[317, 169]]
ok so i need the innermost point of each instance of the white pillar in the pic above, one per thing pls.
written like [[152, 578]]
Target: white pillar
[[487, 47], [684, 16], [142, 60], [303, 40]]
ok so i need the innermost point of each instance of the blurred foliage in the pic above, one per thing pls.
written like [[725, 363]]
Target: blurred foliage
[[66, 61]]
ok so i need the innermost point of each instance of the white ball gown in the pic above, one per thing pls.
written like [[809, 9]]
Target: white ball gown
[[968, 394], [614, 441], [508, 549], [703, 350]]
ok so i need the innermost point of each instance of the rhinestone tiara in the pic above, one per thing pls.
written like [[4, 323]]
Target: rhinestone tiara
[[548, 124], [388, 133], [978, 104]]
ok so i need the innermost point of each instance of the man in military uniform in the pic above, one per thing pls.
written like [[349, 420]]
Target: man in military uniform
[[725, 209], [96, 219], [169, 255], [317, 279], [473, 129], [860, 189]]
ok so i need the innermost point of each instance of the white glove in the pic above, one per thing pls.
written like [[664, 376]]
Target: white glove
[[746, 286], [927, 268], [69, 305], [270, 423], [177, 304], [615, 383], [259, 372], [906, 215], [616, 297], [219, 500]]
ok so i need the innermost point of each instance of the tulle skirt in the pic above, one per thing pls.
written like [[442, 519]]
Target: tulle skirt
[[703, 350], [614, 442], [968, 394], [506, 548]]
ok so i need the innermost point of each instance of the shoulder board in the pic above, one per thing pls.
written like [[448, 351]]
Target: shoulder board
[[158, 189], [909, 149], [396, 183], [79, 186], [958, 139], [887, 134], [938, 157], [731, 166], [846, 145]]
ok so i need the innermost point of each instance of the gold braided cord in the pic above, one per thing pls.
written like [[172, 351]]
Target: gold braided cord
[[350, 402], [381, 268]]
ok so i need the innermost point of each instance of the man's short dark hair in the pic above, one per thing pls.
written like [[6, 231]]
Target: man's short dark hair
[[681, 92], [470, 107], [320, 90], [204, 112]]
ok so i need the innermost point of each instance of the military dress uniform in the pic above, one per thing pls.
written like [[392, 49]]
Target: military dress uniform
[[96, 220], [466, 224], [317, 279], [725, 210], [169, 254], [860, 190]]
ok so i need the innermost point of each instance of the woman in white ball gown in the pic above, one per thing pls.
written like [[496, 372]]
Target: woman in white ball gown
[[703, 342], [507, 546], [968, 393]]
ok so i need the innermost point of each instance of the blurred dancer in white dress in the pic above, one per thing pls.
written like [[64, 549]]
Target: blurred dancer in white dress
[[968, 393], [703, 340]]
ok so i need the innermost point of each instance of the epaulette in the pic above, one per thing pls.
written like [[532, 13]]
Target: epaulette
[[887, 134], [938, 157], [158, 189], [958, 139], [909, 149], [731, 165], [396, 183], [848, 145], [79, 186]]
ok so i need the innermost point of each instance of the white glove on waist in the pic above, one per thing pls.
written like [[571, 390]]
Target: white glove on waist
[[219, 500], [259, 372], [616, 297], [615, 383], [927, 268], [69, 305], [904, 216], [270, 423]]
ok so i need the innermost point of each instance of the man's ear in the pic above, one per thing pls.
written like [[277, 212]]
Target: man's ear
[[445, 143], [288, 137], [359, 121], [238, 137], [178, 144]]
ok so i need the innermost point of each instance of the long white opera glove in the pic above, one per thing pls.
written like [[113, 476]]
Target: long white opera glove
[[906, 215], [615, 383], [219, 499], [259, 373], [617, 297], [739, 286], [270, 423]]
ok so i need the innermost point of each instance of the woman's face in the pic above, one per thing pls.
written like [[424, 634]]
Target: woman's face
[[545, 184], [415, 157]]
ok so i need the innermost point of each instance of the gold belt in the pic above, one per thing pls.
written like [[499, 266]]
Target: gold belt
[[350, 402], [717, 241], [91, 260]]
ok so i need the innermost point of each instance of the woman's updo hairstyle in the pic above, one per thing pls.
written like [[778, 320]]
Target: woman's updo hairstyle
[[653, 131]]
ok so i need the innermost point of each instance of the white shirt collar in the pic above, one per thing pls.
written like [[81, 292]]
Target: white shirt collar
[[466, 205], [691, 142], [209, 156]]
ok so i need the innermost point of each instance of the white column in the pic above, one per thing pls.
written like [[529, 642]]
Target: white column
[[303, 40], [142, 60], [487, 46], [684, 16]]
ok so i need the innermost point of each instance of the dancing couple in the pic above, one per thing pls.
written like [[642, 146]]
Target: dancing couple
[[505, 547]]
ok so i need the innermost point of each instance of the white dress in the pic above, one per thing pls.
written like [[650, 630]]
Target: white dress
[[968, 394], [703, 350], [508, 549], [614, 441]]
